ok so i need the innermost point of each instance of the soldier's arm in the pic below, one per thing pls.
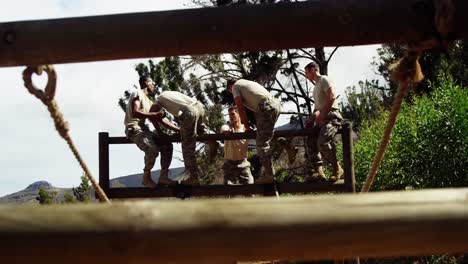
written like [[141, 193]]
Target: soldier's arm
[[168, 124], [225, 129], [242, 113], [136, 105]]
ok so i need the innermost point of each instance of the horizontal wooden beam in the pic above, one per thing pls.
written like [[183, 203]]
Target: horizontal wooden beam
[[182, 191], [223, 231], [221, 30], [208, 137]]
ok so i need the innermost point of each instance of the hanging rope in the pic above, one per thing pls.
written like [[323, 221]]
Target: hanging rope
[[407, 72], [47, 97]]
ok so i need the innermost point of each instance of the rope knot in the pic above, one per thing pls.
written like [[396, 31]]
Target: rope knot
[[407, 69]]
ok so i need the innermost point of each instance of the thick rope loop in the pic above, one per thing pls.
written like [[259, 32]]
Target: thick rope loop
[[407, 72], [47, 97]]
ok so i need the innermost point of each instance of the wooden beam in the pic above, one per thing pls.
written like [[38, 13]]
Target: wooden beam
[[182, 191], [223, 231], [221, 30], [207, 137]]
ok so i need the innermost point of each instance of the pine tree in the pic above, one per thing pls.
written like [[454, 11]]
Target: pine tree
[[82, 192]]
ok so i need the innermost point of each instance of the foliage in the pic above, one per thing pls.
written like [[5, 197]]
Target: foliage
[[45, 197], [428, 148], [82, 192], [453, 62], [363, 103], [68, 199]]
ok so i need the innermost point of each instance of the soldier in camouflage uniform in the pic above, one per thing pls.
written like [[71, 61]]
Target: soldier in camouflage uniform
[[190, 114], [325, 123], [266, 109], [138, 110], [236, 166]]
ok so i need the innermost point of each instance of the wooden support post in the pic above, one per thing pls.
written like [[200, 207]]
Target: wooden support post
[[348, 157], [104, 161], [405, 223], [222, 30]]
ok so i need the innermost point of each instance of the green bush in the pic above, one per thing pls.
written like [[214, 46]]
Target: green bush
[[428, 147]]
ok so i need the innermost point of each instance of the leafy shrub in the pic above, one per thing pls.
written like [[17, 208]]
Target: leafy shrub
[[429, 143]]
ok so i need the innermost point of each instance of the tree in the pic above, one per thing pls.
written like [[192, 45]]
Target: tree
[[45, 197], [82, 192], [364, 103], [453, 61]]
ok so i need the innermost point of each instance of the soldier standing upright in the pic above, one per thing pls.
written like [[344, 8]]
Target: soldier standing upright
[[325, 121], [138, 110]]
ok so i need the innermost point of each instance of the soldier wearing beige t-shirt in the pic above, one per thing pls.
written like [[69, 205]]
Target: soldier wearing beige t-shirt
[[266, 109], [325, 123], [138, 110], [236, 166], [190, 114]]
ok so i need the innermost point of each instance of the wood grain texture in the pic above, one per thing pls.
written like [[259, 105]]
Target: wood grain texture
[[221, 231], [220, 30]]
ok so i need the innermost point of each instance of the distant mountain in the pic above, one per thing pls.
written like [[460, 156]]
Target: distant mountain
[[28, 195]]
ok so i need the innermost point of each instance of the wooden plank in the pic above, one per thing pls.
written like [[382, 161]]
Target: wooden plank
[[224, 230], [220, 30], [182, 191], [207, 137]]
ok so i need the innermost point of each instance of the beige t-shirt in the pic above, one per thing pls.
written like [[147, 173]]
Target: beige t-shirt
[[145, 105], [173, 101], [320, 92], [251, 92], [235, 149]]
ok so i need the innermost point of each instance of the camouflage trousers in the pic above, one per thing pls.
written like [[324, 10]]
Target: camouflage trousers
[[237, 171], [145, 141], [191, 124], [266, 117], [321, 144]]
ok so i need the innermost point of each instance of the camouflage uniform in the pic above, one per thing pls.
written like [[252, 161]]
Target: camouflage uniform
[[266, 117], [144, 140], [237, 171], [191, 124], [322, 142]]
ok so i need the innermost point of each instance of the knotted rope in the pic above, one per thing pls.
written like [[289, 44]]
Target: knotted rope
[[407, 72], [47, 97]]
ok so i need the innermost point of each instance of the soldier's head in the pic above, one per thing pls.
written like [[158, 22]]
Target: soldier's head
[[147, 83], [229, 84], [233, 114], [312, 70]]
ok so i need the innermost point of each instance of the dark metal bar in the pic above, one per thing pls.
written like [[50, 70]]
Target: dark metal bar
[[183, 191], [348, 158], [221, 30], [104, 161]]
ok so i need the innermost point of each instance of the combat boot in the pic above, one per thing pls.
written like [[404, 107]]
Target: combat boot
[[337, 172], [164, 178], [147, 181], [317, 175], [192, 180]]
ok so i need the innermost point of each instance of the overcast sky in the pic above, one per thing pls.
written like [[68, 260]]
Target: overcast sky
[[87, 94]]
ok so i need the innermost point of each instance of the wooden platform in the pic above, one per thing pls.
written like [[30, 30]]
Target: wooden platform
[[184, 191]]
